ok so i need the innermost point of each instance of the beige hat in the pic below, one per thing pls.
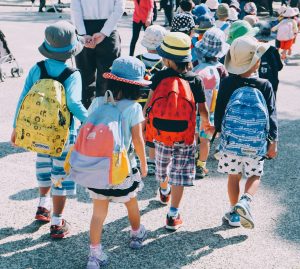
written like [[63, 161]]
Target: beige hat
[[244, 53], [252, 19], [212, 4], [290, 12]]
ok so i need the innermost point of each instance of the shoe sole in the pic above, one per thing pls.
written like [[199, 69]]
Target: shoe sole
[[59, 236], [233, 224], [173, 228], [245, 220], [42, 218]]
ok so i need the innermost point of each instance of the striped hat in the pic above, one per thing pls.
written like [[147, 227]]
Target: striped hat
[[176, 47]]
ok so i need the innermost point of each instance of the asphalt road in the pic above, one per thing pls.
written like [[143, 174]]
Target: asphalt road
[[204, 242]]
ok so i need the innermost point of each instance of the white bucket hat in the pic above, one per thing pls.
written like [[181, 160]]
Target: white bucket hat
[[153, 36], [281, 10], [212, 4], [290, 12], [233, 14], [244, 53]]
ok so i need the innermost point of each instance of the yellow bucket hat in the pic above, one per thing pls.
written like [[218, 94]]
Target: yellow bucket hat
[[176, 47]]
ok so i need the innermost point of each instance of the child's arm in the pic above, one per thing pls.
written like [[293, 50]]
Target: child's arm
[[148, 101], [139, 146], [203, 111]]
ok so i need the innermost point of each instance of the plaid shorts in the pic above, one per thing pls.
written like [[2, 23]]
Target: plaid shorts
[[48, 167], [177, 163]]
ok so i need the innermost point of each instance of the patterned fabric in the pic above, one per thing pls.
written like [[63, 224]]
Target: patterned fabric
[[250, 8], [176, 162], [51, 169], [183, 22], [232, 164], [245, 125]]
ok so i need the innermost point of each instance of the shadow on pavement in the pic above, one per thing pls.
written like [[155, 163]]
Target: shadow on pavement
[[72, 252], [7, 149]]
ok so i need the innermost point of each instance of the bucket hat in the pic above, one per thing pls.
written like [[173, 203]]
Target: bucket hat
[[236, 5], [212, 44], [296, 10], [200, 10], [281, 10], [128, 70], [240, 28], [223, 11], [265, 33], [183, 23], [176, 47], [153, 36], [205, 22], [233, 14], [212, 4], [290, 12], [252, 19], [61, 42], [244, 54], [250, 8]]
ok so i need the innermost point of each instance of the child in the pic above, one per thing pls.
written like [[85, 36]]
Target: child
[[213, 6], [252, 19], [286, 31], [233, 15], [270, 63], [60, 44], [241, 28], [174, 138], [153, 37], [183, 23], [124, 81], [186, 6], [223, 15], [198, 11], [246, 117], [209, 50]]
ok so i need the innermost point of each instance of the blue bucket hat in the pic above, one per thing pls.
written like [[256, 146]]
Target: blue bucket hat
[[200, 10], [213, 44], [128, 70], [205, 22]]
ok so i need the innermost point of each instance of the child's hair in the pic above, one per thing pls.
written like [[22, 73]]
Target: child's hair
[[210, 59], [124, 90], [186, 5], [183, 66]]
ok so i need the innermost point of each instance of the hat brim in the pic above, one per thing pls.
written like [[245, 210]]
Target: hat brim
[[202, 52], [175, 58], [61, 56], [148, 45], [141, 82], [266, 38], [253, 32], [238, 70]]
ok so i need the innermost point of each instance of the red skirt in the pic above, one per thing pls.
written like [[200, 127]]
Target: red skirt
[[286, 45]]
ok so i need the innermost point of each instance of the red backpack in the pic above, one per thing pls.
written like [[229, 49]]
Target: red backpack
[[171, 113]]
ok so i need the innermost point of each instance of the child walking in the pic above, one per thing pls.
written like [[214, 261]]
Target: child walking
[[124, 81], [171, 113], [61, 43], [246, 117]]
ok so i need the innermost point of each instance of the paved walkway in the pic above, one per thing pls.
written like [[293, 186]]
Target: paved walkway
[[204, 242]]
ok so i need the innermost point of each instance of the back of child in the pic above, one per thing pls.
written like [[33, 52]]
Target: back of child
[[246, 117], [223, 15], [60, 45]]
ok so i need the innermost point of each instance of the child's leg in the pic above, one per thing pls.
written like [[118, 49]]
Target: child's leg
[[201, 170], [133, 214], [233, 188], [252, 184], [152, 153], [177, 193], [100, 209]]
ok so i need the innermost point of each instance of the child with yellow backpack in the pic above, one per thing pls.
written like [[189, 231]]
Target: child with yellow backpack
[[44, 121]]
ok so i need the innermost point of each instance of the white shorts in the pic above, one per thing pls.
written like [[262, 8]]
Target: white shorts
[[232, 164]]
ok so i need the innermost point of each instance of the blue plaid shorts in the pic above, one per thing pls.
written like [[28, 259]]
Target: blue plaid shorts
[[177, 163], [48, 167]]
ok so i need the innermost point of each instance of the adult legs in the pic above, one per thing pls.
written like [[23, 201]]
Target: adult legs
[[136, 28], [169, 13]]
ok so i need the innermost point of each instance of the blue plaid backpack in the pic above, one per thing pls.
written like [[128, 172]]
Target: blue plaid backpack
[[245, 124]]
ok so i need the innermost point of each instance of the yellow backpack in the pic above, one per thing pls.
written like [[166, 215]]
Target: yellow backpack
[[44, 120]]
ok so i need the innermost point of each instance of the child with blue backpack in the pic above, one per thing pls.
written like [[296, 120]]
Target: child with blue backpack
[[246, 117], [61, 43], [101, 159]]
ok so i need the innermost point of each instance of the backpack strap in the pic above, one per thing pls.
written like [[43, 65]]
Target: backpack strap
[[224, 26], [44, 73]]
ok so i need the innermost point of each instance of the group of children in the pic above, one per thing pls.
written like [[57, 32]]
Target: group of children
[[219, 84]]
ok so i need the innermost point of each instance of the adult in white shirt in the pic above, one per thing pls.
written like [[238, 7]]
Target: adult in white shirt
[[96, 21]]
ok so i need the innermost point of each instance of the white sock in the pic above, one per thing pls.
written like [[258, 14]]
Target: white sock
[[139, 232], [96, 250], [167, 191], [45, 201], [231, 208], [56, 220]]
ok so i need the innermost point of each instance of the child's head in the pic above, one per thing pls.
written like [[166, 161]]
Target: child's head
[[176, 51], [233, 15], [183, 23], [236, 5], [61, 42], [289, 13], [212, 46], [199, 11], [265, 34], [153, 37], [296, 11], [252, 19], [244, 56], [186, 5], [223, 12], [205, 22], [126, 78], [240, 28], [250, 8], [281, 10], [212, 4]]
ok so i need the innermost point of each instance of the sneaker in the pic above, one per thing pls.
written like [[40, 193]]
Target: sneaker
[[42, 214], [136, 241], [164, 199], [59, 231], [233, 219], [201, 172], [95, 262], [173, 223], [243, 209], [151, 168]]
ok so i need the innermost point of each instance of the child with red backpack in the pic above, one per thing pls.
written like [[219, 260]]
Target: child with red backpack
[[209, 50], [171, 120], [101, 159]]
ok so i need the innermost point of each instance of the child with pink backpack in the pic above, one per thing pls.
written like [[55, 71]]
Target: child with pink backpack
[[101, 161]]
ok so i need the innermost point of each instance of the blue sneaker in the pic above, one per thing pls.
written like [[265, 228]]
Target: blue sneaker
[[95, 262], [233, 219], [243, 209], [136, 241]]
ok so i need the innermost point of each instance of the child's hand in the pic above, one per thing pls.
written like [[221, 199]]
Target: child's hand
[[144, 170], [272, 150], [98, 38], [13, 138]]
